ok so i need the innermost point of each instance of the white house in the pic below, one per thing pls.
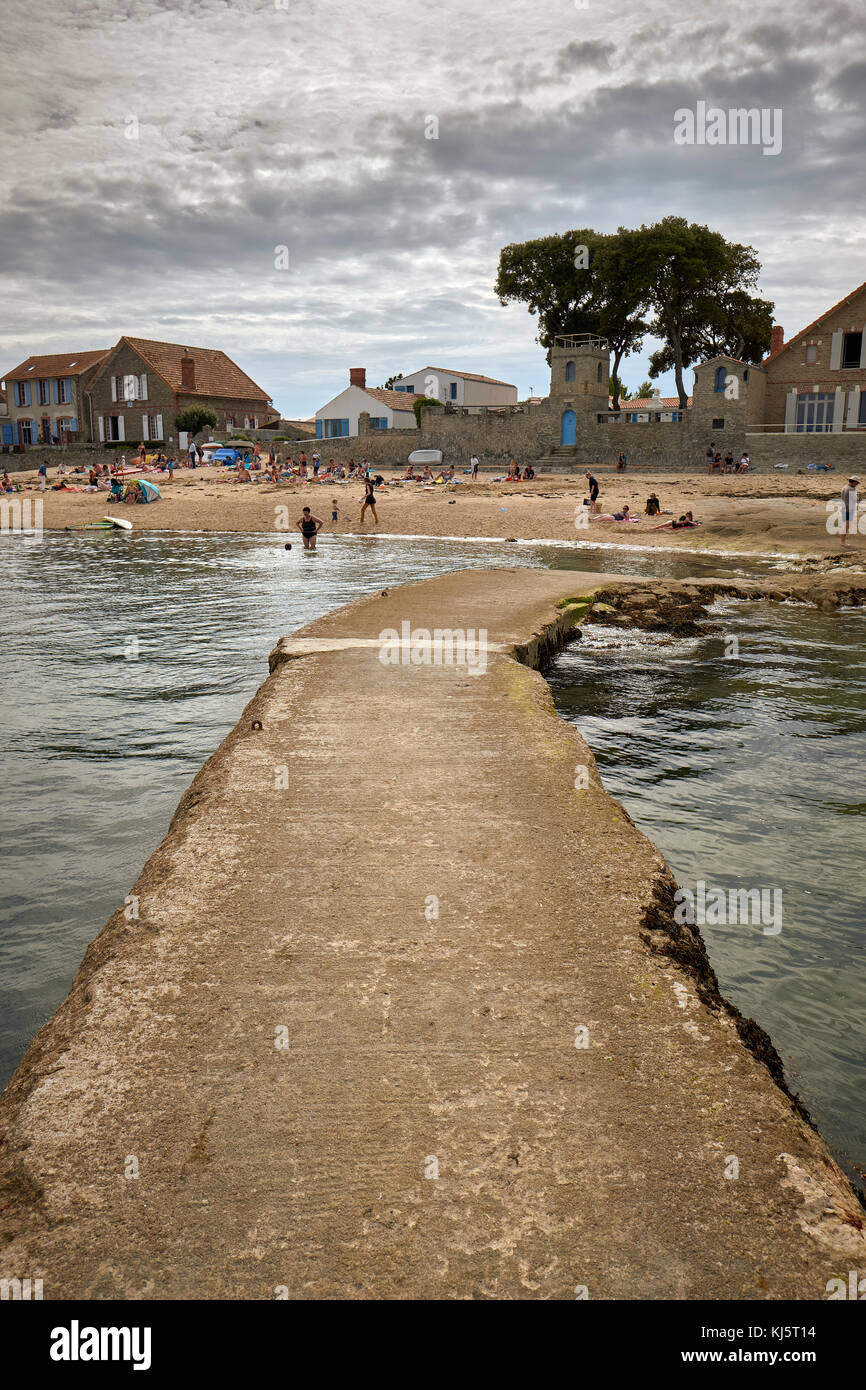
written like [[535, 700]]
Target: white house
[[387, 409], [460, 389]]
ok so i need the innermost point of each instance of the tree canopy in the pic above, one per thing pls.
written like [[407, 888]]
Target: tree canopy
[[677, 281]]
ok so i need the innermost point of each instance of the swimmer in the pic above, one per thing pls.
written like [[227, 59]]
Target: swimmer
[[309, 527]]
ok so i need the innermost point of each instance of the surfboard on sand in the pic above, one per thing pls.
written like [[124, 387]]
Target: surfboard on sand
[[120, 522]]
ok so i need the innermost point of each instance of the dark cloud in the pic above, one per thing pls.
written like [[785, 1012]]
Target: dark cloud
[[588, 54]]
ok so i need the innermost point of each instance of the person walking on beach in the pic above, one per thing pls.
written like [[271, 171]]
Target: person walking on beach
[[43, 475], [848, 519], [309, 527], [473, 464], [369, 501], [593, 493]]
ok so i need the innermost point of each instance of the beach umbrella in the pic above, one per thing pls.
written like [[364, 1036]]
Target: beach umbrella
[[150, 491]]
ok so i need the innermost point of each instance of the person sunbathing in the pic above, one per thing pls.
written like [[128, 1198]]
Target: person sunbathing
[[684, 523], [410, 473], [624, 515]]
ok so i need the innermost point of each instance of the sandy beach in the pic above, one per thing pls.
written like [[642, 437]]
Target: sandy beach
[[757, 514]]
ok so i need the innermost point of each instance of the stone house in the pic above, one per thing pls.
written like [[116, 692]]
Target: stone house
[[46, 399], [142, 384], [816, 382]]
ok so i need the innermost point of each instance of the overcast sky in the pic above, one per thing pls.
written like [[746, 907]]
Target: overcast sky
[[301, 123]]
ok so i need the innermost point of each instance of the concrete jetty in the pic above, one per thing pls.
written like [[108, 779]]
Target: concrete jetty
[[399, 1009]]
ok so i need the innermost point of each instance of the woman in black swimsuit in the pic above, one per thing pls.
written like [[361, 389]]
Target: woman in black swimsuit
[[370, 501], [309, 527]]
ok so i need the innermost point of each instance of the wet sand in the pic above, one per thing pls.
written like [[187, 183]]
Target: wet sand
[[783, 514]]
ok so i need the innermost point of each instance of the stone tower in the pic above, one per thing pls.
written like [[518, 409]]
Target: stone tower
[[579, 374]]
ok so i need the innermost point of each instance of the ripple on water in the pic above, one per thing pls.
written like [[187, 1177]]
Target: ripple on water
[[751, 772]]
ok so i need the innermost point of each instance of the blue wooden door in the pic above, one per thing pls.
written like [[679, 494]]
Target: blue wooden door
[[569, 428]]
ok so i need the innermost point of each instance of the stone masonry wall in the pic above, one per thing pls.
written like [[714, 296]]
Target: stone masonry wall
[[844, 452]]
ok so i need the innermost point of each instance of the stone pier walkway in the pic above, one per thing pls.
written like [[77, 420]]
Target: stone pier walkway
[[335, 1054]]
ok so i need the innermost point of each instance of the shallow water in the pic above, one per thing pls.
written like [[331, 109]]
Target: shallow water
[[99, 746], [749, 771]]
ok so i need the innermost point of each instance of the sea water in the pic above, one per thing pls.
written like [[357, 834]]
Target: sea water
[[126, 659], [742, 754]]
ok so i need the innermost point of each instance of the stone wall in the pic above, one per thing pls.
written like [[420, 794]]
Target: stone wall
[[665, 447], [846, 451]]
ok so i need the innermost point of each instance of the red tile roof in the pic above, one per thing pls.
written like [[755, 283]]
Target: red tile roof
[[57, 364], [394, 400], [215, 374], [816, 323]]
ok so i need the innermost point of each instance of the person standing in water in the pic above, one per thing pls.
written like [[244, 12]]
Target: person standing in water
[[369, 501], [309, 527]]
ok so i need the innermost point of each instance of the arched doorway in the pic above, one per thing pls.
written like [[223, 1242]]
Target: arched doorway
[[569, 428]]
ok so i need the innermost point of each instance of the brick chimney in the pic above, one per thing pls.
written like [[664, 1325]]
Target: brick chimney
[[187, 371], [777, 338], [358, 377]]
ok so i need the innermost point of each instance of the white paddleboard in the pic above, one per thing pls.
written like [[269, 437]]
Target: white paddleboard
[[119, 521]]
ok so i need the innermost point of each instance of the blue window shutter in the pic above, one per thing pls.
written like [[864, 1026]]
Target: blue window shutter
[[318, 429], [56, 385], [27, 389], [344, 427], [384, 422]]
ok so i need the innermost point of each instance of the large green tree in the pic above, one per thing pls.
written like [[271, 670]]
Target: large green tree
[[677, 280], [696, 286], [576, 282]]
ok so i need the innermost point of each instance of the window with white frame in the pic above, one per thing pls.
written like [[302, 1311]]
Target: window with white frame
[[811, 354], [815, 412], [43, 390]]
